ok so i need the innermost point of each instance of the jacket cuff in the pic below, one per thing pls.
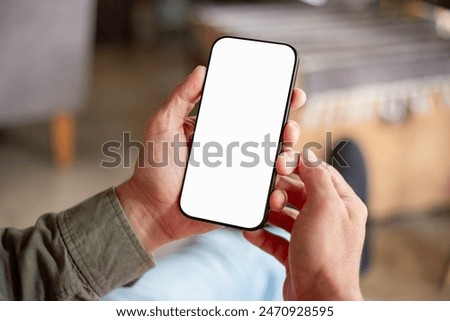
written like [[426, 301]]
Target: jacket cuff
[[102, 243]]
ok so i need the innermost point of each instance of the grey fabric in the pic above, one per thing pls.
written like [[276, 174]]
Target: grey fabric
[[339, 48], [45, 51]]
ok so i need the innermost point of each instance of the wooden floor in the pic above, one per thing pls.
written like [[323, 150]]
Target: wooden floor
[[409, 258]]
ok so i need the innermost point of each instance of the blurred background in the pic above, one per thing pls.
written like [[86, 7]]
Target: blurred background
[[75, 74]]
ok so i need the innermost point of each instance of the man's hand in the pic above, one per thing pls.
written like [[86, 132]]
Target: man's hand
[[327, 225], [150, 197]]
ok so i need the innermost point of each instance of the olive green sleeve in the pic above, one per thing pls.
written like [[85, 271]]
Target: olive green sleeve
[[79, 254]]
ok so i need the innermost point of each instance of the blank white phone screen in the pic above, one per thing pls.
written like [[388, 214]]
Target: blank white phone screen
[[241, 116]]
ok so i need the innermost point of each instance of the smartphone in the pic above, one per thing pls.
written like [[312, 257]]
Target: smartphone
[[243, 109]]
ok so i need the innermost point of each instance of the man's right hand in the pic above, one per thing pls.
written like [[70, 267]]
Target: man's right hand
[[327, 227]]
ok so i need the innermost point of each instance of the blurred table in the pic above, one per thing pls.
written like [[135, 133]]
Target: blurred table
[[380, 79]]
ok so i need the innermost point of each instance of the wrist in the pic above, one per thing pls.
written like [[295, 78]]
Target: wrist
[[327, 289], [347, 294], [142, 216]]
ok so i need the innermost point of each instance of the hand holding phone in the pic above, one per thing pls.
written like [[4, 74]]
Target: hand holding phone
[[150, 198]]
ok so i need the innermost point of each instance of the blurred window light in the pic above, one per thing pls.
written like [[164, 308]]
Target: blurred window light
[[443, 23], [315, 2]]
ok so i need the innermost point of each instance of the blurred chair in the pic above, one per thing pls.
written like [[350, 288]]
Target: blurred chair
[[45, 52]]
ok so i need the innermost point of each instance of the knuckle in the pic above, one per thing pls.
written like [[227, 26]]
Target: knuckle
[[321, 174], [364, 211], [361, 210], [177, 88]]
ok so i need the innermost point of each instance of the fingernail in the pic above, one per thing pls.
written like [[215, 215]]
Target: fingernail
[[304, 98], [297, 131], [310, 158], [285, 198], [196, 68]]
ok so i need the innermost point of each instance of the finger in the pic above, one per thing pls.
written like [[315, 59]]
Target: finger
[[189, 126], [270, 243], [287, 162], [185, 96], [298, 98], [291, 134], [278, 199], [348, 195], [284, 218], [317, 179], [344, 190], [295, 190]]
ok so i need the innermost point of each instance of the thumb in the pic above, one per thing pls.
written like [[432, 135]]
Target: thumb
[[317, 179], [185, 95]]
